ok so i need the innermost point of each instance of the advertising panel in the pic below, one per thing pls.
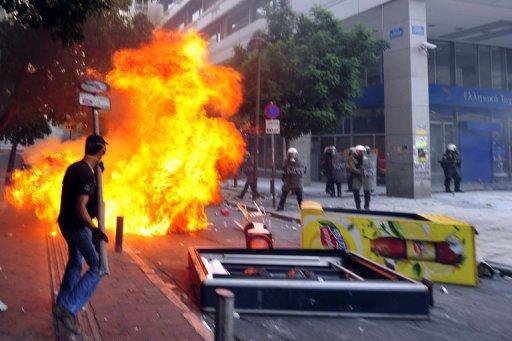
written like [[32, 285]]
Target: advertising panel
[[435, 247]]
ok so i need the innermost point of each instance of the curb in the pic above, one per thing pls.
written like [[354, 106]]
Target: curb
[[166, 290]]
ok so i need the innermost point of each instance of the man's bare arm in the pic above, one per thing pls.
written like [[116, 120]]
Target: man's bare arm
[[83, 199]]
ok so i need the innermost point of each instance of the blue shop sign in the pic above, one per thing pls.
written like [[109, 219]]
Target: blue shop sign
[[418, 30], [396, 32], [470, 97]]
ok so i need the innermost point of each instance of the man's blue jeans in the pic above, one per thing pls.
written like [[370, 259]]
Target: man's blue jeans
[[75, 291]]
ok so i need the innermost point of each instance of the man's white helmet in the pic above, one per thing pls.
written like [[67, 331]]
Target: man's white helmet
[[293, 151], [360, 148], [352, 149], [451, 147]]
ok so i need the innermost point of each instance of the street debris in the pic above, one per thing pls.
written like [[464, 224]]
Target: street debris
[[23, 310], [206, 325], [224, 211], [3, 307], [443, 289]]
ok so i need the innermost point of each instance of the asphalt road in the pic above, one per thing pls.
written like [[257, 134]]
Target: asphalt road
[[482, 313]]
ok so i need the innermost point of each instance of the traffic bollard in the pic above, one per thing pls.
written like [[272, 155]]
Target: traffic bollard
[[119, 234], [224, 324]]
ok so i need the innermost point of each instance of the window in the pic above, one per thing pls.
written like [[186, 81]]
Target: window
[[509, 68], [498, 68], [238, 19], [374, 72], [208, 3], [466, 68], [443, 57], [368, 121], [194, 11], [500, 153], [484, 59], [212, 33], [257, 10], [432, 66]]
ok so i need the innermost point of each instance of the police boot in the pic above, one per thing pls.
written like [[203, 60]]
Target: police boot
[[367, 197], [357, 199]]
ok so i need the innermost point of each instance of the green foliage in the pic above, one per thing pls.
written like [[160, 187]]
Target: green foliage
[[25, 131], [63, 19], [41, 77], [310, 67]]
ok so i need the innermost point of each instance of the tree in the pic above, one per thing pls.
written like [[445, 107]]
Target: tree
[[311, 68], [25, 134], [63, 19], [41, 77]]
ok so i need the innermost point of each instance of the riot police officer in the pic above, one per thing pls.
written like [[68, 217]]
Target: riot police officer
[[292, 177], [351, 152], [356, 168], [328, 170], [368, 176], [248, 170], [451, 162], [339, 166]]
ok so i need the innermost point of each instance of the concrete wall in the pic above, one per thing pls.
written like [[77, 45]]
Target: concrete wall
[[406, 100]]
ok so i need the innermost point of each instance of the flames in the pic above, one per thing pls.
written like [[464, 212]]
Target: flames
[[170, 143]]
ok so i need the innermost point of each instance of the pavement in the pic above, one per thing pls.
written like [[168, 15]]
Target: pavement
[[460, 313], [130, 303], [487, 210], [147, 295]]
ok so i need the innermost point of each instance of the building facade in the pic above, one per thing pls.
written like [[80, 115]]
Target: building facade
[[418, 98]]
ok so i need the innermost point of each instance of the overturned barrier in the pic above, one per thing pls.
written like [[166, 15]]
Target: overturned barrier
[[436, 247]]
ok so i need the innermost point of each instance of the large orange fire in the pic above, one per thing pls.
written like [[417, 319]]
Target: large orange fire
[[170, 143]]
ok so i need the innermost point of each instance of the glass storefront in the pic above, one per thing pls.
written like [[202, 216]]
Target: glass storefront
[[485, 132], [470, 65], [466, 65]]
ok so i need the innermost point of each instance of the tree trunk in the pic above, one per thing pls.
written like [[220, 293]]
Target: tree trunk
[[6, 119], [10, 164], [287, 143]]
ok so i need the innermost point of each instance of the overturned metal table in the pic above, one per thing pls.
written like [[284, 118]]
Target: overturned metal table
[[305, 282]]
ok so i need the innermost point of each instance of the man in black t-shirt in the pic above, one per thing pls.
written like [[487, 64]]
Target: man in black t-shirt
[[77, 209]]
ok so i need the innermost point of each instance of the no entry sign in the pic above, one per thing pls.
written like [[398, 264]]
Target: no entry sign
[[272, 111]]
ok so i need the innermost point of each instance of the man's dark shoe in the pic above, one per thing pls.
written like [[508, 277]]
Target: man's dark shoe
[[367, 208], [448, 191], [67, 319], [459, 191], [280, 209]]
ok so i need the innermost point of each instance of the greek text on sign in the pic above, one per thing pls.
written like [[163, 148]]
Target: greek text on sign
[[396, 32], [272, 127], [94, 87], [418, 30], [90, 100]]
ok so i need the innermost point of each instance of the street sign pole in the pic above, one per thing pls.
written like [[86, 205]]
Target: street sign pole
[[272, 127], [91, 98], [273, 180], [104, 269]]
